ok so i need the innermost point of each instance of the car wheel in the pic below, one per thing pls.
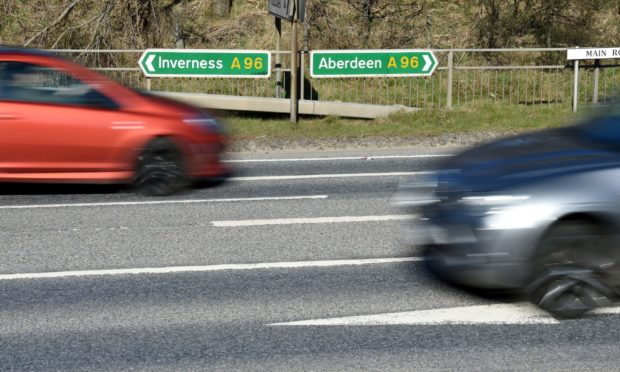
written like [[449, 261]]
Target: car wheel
[[573, 270], [160, 169]]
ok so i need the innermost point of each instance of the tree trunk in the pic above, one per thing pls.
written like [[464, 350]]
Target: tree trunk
[[221, 8]]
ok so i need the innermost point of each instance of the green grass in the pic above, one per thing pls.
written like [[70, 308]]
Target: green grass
[[426, 123]]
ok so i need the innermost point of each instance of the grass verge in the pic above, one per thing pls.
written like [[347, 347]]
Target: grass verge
[[428, 123]]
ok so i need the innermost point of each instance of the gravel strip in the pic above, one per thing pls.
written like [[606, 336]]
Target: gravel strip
[[444, 140]]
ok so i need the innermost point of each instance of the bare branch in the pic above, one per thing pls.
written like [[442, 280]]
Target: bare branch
[[60, 18], [104, 14], [172, 4], [71, 29]]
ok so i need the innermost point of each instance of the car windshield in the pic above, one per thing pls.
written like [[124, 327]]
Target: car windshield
[[26, 82]]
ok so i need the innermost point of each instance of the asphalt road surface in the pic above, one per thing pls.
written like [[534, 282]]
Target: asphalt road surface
[[297, 263]]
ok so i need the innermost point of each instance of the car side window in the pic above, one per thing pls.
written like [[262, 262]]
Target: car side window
[[26, 82]]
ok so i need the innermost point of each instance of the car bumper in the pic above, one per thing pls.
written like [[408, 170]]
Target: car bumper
[[207, 162], [473, 258]]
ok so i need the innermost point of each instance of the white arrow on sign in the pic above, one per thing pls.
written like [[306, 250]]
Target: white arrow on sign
[[428, 63], [149, 63]]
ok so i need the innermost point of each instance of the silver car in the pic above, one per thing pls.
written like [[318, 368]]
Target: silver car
[[537, 212]]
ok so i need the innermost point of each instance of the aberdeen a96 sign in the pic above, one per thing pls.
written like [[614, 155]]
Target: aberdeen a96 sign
[[368, 63]]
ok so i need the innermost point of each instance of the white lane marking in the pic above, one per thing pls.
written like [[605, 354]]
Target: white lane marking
[[158, 202], [314, 220], [212, 268], [519, 313], [318, 176], [380, 157]]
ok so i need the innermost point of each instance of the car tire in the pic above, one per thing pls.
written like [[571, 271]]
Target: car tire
[[160, 169], [572, 270]]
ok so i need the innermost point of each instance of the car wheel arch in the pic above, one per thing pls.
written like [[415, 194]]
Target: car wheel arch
[[160, 167], [599, 220], [591, 218], [568, 283], [137, 148]]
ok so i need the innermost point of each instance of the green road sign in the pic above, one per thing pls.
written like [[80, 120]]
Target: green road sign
[[205, 63], [364, 63]]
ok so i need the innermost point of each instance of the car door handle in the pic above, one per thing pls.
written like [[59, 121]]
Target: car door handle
[[7, 116]]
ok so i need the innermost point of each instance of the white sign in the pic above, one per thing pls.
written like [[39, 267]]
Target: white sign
[[593, 53]]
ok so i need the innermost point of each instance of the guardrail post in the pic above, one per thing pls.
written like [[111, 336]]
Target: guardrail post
[[597, 74], [450, 78], [148, 83]]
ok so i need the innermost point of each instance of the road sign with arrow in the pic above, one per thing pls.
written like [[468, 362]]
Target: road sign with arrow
[[366, 63], [205, 63]]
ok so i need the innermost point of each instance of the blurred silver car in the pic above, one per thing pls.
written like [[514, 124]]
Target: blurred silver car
[[537, 212]]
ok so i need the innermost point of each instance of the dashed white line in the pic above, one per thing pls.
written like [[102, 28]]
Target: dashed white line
[[161, 202], [211, 268], [344, 158], [319, 176], [313, 220], [518, 313]]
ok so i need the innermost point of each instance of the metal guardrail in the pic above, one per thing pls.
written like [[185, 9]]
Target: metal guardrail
[[528, 76]]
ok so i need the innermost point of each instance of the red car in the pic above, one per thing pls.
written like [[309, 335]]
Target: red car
[[60, 122]]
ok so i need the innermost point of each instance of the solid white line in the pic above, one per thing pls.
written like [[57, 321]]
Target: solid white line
[[159, 202], [318, 176], [314, 220], [211, 268], [519, 313], [381, 157]]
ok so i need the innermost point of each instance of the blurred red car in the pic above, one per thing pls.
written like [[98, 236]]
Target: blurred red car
[[60, 122]]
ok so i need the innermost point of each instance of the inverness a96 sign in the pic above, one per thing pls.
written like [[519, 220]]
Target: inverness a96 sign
[[205, 63]]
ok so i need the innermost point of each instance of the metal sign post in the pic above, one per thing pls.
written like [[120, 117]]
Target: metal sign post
[[597, 76], [278, 65], [294, 51], [576, 87], [292, 11]]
